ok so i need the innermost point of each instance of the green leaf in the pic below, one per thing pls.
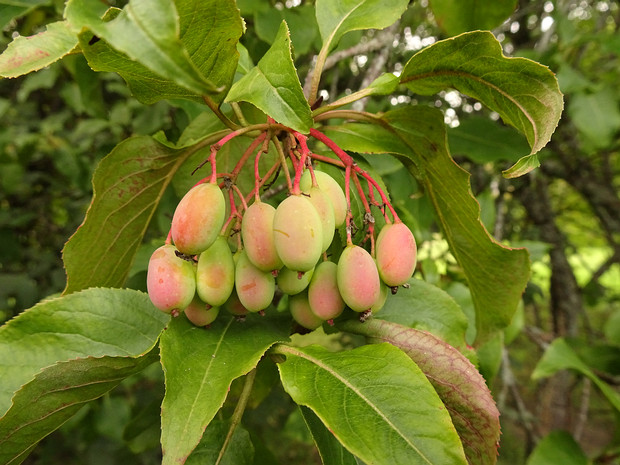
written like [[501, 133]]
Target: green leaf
[[489, 266], [337, 17], [56, 394], [359, 396], [26, 54], [301, 20], [330, 449], [428, 308], [560, 356], [456, 16], [127, 187], [418, 134], [597, 116], [459, 385], [199, 366], [524, 93], [274, 87], [558, 447], [240, 450], [150, 33], [91, 323], [16, 8], [483, 140]]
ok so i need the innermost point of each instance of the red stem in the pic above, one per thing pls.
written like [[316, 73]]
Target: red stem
[[244, 158], [374, 183], [305, 152]]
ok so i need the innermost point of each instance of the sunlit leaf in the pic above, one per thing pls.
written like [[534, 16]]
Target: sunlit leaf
[[337, 17], [523, 92], [26, 54], [460, 386], [91, 323], [274, 87], [199, 365], [359, 394], [163, 40]]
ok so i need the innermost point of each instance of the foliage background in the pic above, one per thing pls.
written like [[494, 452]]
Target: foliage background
[[56, 124]]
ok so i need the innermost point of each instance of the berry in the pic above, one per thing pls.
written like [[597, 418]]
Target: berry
[[396, 254], [291, 283], [170, 280], [258, 237], [198, 218], [333, 190], [201, 313], [254, 286], [215, 273], [298, 233], [300, 310], [358, 278], [325, 209], [323, 294]]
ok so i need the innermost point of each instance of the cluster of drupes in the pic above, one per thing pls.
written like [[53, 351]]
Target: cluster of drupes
[[240, 253]]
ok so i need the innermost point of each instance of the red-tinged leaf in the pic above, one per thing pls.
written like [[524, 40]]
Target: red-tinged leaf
[[459, 385], [26, 54], [128, 185]]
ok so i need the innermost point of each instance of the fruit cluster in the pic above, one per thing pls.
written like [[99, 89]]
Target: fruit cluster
[[279, 250]]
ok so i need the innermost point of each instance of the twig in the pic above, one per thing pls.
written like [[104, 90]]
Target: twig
[[238, 413], [510, 384], [582, 414]]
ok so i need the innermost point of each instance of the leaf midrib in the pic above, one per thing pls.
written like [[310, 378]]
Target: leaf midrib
[[348, 385]]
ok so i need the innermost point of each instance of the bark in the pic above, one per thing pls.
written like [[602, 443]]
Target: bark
[[554, 400]]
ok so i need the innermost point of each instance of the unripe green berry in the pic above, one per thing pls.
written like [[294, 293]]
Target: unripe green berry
[[201, 313], [323, 294], [258, 237], [198, 218], [325, 209], [301, 312], [333, 190], [170, 280], [215, 273], [254, 287], [290, 282], [298, 233]]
